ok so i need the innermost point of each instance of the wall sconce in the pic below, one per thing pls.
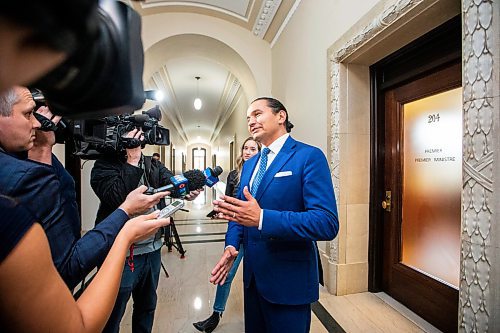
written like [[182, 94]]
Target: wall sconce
[[155, 95]]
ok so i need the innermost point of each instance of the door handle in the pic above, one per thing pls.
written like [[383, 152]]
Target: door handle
[[386, 204]]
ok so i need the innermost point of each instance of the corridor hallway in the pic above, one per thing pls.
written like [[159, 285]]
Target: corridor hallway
[[187, 296]]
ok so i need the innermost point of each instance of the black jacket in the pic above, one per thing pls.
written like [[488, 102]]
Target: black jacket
[[232, 185], [112, 179]]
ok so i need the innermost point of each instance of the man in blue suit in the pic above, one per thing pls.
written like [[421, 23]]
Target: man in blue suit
[[285, 203]]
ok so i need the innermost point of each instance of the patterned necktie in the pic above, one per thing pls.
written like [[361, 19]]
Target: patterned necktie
[[262, 170]]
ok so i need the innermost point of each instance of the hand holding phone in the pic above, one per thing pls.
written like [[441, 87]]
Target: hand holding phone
[[171, 208]]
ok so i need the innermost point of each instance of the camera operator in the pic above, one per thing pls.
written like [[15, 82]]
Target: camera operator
[[112, 178], [38, 180]]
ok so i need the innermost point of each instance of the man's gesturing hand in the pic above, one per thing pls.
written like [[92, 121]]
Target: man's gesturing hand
[[246, 213], [220, 271]]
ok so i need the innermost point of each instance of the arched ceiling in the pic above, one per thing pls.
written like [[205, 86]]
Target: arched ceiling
[[224, 82], [263, 17]]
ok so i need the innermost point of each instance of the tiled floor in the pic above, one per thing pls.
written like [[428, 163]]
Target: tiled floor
[[187, 296]]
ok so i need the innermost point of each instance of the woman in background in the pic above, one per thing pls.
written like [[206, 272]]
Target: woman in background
[[249, 148]]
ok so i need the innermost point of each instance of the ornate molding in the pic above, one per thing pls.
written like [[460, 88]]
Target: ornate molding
[[227, 103], [334, 76], [188, 6], [478, 199], [161, 80], [265, 17], [388, 16], [385, 19]]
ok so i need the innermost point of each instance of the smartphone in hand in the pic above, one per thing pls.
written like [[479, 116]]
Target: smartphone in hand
[[212, 214], [171, 208]]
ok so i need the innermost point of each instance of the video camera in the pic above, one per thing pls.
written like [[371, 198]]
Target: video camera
[[102, 75], [94, 137]]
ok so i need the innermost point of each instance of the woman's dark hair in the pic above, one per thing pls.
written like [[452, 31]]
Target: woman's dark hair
[[276, 106], [239, 160]]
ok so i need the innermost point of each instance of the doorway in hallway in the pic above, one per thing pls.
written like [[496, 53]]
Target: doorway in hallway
[[416, 176]]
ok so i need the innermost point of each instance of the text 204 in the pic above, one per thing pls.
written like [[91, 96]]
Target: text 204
[[432, 118]]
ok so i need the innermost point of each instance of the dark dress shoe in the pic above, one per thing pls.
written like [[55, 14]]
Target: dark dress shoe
[[209, 324]]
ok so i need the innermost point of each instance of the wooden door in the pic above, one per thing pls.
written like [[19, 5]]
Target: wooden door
[[421, 196]]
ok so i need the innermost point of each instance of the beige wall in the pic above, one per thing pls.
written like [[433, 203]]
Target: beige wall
[[235, 130], [90, 202], [299, 61]]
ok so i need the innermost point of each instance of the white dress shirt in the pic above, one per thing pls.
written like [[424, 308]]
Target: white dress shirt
[[274, 148]]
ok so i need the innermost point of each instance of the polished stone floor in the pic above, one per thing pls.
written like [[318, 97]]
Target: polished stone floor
[[187, 296]]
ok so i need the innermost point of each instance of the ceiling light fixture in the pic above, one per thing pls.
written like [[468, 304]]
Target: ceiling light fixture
[[197, 100]]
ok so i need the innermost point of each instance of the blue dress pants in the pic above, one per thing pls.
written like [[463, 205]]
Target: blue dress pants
[[141, 284], [262, 316]]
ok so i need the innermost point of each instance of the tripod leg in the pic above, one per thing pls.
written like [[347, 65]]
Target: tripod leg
[[164, 269], [168, 236], [177, 240]]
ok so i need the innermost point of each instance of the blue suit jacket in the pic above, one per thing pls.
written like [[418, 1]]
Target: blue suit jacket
[[299, 206]]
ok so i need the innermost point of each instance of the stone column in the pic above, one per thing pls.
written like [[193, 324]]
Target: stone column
[[479, 304]]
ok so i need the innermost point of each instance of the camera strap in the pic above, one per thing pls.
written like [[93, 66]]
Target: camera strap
[[130, 260], [46, 124], [147, 166]]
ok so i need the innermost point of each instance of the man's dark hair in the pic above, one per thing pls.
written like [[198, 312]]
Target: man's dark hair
[[276, 106], [156, 154]]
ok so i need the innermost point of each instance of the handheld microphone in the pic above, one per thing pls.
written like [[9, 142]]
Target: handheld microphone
[[212, 175], [181, 185], [189, 181]]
